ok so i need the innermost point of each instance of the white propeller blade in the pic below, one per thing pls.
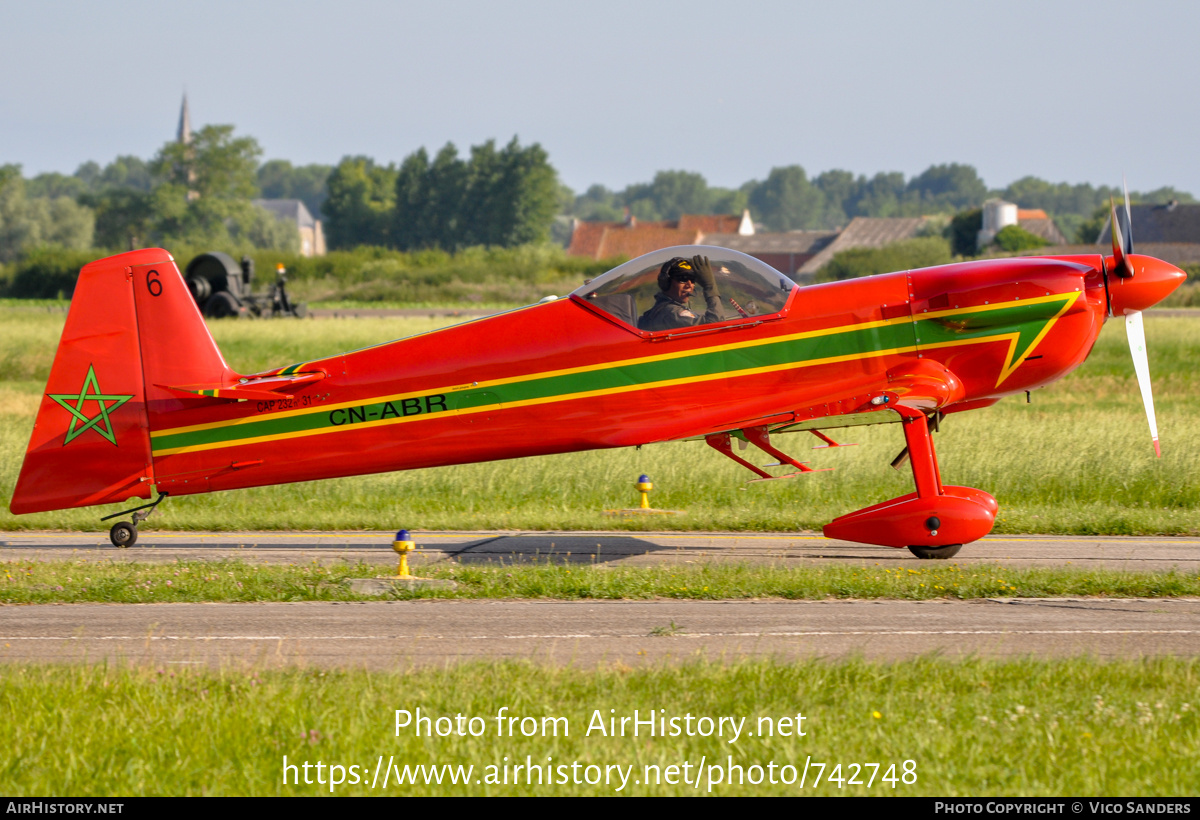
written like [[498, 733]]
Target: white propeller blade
[[1136, 332]]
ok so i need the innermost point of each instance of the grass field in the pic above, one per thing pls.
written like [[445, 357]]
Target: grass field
[[1076, 460], [106, 581], [1066, 727]]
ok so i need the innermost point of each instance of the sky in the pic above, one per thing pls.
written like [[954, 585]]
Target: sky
[[616, 91]]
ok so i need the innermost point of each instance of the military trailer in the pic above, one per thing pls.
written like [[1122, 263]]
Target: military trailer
[[223, 288]]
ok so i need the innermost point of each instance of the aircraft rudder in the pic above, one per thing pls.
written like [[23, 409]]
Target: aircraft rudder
[[90, 442], [176, 345]]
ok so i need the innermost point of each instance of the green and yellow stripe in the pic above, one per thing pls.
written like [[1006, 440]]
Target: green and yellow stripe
[[1024, 324]]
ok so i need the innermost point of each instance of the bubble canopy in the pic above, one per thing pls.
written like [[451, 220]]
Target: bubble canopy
[[747, 288]]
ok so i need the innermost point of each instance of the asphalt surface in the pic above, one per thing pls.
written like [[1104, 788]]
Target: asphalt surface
[[401, 634], [628, 549], [404, 634]]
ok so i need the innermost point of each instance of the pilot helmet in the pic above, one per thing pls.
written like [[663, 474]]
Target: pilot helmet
[[676, 268]]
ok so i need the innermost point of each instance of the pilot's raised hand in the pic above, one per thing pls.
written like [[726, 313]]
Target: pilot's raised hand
[[704, 273]]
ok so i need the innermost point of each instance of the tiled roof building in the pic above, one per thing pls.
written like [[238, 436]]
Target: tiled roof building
[[631, 242], [1172, 223], [605, 240], [865, 232], [796, 253], [587, 236], [799, 254], [716, 223], [787, 252], [1039, 223]]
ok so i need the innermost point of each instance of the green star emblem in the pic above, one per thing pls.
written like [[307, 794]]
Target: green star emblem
[[99, 422]]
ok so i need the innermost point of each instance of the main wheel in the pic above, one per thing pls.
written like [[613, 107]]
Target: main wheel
[[123, 534], [948, 551]]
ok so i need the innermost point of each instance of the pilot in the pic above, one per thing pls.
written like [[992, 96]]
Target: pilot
[[677, 282]]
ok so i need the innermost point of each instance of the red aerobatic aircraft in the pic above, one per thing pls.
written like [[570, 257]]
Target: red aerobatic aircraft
[[139, 396]]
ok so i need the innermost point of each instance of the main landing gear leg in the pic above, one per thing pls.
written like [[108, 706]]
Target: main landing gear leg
[[921, 455], [933, 522], [918, 436], [125, 533]]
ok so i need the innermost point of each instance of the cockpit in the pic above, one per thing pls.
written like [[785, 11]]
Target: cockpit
[[745, 288]]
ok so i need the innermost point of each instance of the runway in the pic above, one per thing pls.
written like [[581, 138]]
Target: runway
[[617, 548], [401, 634], [405, 634]]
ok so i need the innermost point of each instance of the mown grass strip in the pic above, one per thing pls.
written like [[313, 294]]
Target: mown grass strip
[[36, 582], [1077, 460], [975, 727]]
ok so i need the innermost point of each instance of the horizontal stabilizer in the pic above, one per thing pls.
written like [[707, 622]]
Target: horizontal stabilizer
[[270, 387]]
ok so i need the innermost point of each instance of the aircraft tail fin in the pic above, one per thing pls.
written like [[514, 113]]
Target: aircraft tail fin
[[132, 327]]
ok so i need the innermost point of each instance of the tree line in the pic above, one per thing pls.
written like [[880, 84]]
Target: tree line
[[495, 197], [199, 195], [789, 200]]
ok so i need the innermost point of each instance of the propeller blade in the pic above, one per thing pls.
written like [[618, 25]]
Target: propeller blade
[[1121, 264], [1136, 332], [1127, 228]]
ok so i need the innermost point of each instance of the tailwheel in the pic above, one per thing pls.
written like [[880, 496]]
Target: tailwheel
[[948, 551], [123, 534]]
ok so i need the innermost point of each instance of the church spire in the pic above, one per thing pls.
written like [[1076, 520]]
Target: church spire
[[184, 136]]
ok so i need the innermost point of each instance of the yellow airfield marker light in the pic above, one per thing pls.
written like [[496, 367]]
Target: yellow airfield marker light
[[403, 545], [388, 584], [643, 486]]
